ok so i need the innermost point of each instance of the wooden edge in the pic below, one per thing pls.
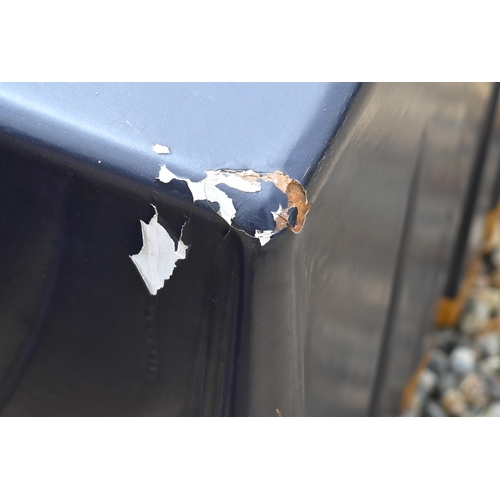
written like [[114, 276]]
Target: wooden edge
[[448, 309], [491, 220]]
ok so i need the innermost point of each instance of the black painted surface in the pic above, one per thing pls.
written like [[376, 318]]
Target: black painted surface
[[94, 345], [338, 313], [312, 324], [463, 252], [80, 334]]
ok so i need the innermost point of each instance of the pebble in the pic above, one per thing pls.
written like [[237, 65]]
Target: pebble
[[462, 378], [454, 403], [490, 366], [428, 381], [446, 340], [438, 362], [462, 360], [492, 297], [493, 410], [489, 344], [447, 381], [433, 409], [475, 390], [476, 315], [493, 385]]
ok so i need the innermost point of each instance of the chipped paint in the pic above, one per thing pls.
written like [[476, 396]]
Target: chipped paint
[[247, 181], [264, 236], [161, 150], [157, 259]]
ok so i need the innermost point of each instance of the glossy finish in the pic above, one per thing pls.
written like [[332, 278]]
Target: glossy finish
[[80, 334], [106, 132], [373, 256], [327, 322]]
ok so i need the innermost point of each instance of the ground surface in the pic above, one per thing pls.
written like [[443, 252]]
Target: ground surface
[[462, 376]]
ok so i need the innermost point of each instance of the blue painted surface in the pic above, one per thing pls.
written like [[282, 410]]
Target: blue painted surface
[[107, 130]]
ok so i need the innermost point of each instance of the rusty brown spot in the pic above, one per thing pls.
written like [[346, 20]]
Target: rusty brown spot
[[295, 192], [297, 197]]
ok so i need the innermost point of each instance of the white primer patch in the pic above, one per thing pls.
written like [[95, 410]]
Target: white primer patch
[[161, 150], [158, 256], [263, 236], [207, 189], [248, 181]]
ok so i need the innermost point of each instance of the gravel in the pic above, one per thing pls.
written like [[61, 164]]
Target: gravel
[[462, 378]]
